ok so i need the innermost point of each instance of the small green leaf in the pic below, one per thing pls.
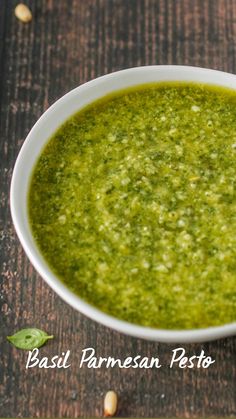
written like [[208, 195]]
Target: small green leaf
[[29, 338]]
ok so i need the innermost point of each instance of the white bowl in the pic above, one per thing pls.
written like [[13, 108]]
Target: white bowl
[[39, 135]]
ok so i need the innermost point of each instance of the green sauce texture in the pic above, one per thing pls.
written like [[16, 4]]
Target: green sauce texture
[[133, 205]]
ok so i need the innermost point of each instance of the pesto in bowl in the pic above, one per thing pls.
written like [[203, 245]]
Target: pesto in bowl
[[132, 203]]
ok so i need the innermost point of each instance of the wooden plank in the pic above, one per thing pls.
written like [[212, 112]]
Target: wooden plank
[[66, 44]]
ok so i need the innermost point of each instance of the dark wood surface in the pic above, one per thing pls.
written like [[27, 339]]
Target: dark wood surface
[[67, 43]]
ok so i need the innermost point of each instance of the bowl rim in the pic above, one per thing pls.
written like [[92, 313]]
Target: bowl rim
[[154, 334]]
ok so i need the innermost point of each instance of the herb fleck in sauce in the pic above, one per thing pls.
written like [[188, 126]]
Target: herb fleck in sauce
[[133, 204]]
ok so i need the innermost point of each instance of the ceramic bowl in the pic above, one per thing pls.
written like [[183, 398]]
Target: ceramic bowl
[[35, 141]]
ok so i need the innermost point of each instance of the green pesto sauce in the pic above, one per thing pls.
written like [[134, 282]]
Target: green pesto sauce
[[133, 205]]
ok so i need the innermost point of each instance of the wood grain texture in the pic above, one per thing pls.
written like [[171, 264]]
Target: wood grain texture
[[67, 43]]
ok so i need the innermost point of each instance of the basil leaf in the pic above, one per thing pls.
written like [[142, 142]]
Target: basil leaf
[[29, 338]]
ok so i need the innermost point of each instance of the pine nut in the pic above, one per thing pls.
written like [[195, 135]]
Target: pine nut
[[23, 13], [110, 403]]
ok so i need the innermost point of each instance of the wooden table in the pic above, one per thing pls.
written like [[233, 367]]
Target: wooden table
[[67, 43]]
